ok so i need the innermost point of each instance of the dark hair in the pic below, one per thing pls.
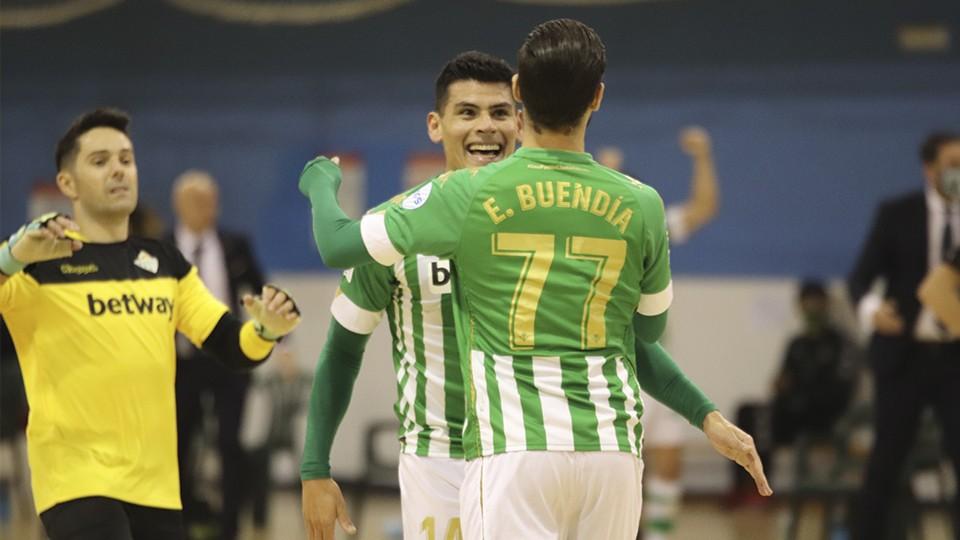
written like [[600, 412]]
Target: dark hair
[[812, 288], [560, 66], [931, 146], [102, 117], [471, 66]]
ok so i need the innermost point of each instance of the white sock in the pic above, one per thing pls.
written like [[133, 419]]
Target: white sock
[[661, 504]]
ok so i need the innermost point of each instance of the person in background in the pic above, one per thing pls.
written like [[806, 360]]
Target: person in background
[[913, 355], [228, 268], [664, 431], [145, 222], [940, 290], [686, 218], [274, 422], [13, 423], [812, 389]]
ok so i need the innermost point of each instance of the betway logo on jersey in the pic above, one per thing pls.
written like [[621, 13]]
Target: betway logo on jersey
[[440, 276], [130, 304]]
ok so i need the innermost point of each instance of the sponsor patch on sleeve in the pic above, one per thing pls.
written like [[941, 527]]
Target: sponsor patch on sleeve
[[417, 198]]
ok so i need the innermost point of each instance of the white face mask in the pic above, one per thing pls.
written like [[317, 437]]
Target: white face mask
[[950, 183]]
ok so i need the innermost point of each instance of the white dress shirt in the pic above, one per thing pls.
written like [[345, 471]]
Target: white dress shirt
[[927, 328], [213, 265]]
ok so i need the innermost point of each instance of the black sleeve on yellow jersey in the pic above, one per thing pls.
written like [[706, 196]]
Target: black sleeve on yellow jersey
[[234, 343], [224, 344]]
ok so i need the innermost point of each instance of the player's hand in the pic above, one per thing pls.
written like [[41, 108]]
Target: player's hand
[[320, 171], [887, 320], [736, 445], [323, 506], [43, 239], [695, 142], [274, 309]]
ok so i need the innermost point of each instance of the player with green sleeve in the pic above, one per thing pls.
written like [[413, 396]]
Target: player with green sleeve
[[476, 120], [561, 267]]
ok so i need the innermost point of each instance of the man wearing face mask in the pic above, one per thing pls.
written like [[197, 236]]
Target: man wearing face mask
[[940, 291], [915, 358]]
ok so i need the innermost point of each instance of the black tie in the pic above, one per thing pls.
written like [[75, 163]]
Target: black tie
[[198, 258], [946, 249]]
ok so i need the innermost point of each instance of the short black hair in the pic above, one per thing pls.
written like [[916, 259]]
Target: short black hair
[[471, 66], [102, 117], [560, 66], [812, 288], [930, 149]]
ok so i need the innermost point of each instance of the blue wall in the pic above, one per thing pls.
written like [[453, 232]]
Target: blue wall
[[813, 122]]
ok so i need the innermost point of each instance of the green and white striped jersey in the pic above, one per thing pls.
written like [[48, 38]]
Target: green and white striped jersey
[[416, 295], [553, 254]]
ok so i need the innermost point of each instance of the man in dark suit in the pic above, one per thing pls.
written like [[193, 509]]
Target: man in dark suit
[[915, 359], [227, 267]]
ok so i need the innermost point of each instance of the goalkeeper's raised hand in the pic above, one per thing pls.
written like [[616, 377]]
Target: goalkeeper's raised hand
[[274, 312], [51, 236]]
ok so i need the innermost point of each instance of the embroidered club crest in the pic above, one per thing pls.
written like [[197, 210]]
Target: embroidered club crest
[[147, 261]]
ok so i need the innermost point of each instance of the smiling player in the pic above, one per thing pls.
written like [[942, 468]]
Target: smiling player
[[476, 121]]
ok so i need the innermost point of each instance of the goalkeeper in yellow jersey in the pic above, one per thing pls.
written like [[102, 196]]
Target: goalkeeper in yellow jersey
[[93, 313]]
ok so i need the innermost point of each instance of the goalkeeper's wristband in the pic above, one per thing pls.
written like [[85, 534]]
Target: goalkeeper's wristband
[[264, 333], [9, 265], [262, 330]]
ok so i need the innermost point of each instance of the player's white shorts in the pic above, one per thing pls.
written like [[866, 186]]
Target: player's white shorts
[[552, 496], [661, 426], [430, 497]]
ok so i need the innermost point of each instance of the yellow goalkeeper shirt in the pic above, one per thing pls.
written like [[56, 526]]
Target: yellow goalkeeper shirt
[[95, 337]]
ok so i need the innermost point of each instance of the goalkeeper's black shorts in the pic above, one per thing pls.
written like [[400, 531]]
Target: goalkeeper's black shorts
[[101, 518]]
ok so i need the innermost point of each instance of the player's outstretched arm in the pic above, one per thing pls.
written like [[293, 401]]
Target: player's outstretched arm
[[704, 201], [338, 238], [736, 445], [398, 228], [662, 378], [274, 312], [236, 344], [333, 382], [51, 236], [939, 293]]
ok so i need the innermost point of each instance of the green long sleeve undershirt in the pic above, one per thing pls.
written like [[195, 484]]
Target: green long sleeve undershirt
[[337, 237], [660, 377], [333, 381], [339, 365]]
